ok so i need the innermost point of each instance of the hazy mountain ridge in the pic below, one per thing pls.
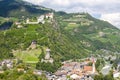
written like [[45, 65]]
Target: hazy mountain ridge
[[93, 30], [67, 36], [19, 8], [71, 36]]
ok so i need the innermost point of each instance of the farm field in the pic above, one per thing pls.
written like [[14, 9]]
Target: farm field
[[28, 56]]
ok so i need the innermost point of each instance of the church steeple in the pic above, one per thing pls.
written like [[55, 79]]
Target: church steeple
[[47, 57], [93, 66]]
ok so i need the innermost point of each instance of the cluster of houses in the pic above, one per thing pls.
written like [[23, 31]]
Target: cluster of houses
[[83, 71], [76, 71], [41, 19], [6, 63], [70, 70]]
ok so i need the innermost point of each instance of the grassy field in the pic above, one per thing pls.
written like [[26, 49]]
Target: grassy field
[[71, 26], [28, 56]]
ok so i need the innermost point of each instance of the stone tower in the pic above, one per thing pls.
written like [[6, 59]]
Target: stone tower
[[47, 56]]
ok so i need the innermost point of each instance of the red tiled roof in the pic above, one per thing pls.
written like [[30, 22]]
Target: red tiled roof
[[87, 68]]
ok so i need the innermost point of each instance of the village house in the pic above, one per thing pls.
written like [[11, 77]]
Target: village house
[[33, 45], [75, 77], [39, 20], [62, 78], [17, 23], [49, 15], [37, 72], [29, 22], [116, 75], [118, 66], [19, 26], [105, 70], [20, 70]]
